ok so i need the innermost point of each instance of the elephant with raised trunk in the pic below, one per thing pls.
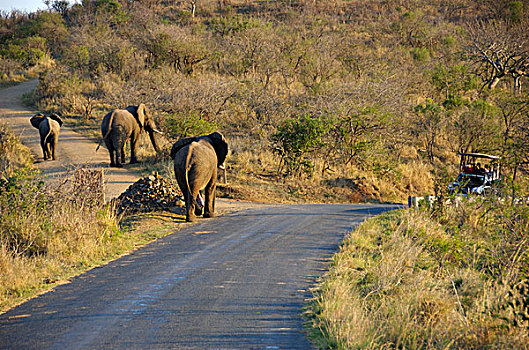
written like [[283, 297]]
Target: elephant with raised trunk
[[122, 125], [195, 166], [49, 130]]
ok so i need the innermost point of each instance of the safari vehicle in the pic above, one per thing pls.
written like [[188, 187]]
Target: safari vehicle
[[478, 174]]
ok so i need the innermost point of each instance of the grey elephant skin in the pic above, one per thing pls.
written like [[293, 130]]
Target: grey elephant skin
[[49, 130], [122, 125], [195, 165]]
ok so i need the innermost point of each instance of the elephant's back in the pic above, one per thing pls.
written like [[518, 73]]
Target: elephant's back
[[44, 126], [180, 157], [203, 156], [113, 119], [196, 151]]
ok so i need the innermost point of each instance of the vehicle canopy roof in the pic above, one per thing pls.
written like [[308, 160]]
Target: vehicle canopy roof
[[479, 155]]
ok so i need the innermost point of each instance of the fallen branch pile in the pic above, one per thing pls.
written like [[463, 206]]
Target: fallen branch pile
[[150, 193]]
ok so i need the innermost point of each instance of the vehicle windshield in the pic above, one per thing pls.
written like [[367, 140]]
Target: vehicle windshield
[[471, 180]]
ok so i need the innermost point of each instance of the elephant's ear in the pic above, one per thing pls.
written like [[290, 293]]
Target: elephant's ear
[[36, 119], [181, 143], [220, 145], [140, 114], [55, 117]]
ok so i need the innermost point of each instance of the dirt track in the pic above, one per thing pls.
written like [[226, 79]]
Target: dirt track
[[74, 150]]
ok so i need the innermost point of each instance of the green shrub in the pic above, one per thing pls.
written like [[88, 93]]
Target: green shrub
[[21, 200], [29, 51], [296, 139], [420, 54], [516, 11], [192, 123], [225, 26]]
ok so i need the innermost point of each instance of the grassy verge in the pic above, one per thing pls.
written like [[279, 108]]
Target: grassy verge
[[13, 73], [51, 233], [13, 80], [412, 279]]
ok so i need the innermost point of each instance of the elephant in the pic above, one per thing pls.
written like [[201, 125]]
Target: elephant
[[122, 125], [49, 130], [195, 166]]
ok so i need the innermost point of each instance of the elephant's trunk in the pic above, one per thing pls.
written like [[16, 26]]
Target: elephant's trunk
[[154, 141]]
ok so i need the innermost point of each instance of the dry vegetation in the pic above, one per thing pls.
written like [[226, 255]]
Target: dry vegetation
[[328, 101], [411, 279]]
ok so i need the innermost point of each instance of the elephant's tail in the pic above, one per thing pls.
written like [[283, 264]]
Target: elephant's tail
[[111, 119], [49, 131]]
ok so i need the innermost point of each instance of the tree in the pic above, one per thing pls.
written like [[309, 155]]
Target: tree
[[60, 6], [476, 128], [193, 4], [429, 125], [514, 114], [354, 132], [499, 49], [181, 50]]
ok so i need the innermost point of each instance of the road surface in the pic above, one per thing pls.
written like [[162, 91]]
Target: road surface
[[234, 282]]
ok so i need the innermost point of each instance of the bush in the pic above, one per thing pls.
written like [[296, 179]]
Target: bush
[[296, 139], [190, 124], [13, 155], [46, 232], [420, 54]]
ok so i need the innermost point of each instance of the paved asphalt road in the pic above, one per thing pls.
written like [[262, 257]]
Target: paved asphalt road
[[234, 282]]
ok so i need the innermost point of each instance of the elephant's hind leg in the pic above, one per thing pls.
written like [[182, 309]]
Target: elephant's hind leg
[[53, 146], [190, 208], [209, 209], [111, 152], [133, 150], [45, 151], [119, 155], [123, 154], [190, 215], [52, 150]]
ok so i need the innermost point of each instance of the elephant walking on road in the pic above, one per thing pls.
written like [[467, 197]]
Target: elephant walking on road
[[122, 125], [195, 165], [49, 130]]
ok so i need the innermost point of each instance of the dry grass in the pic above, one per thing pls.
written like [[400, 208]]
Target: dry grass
[[47, 234], [12, 154], [403, 280], [253, 175], [50, 233]]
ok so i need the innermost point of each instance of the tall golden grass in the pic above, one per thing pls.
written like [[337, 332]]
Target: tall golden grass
[[409, 280]]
